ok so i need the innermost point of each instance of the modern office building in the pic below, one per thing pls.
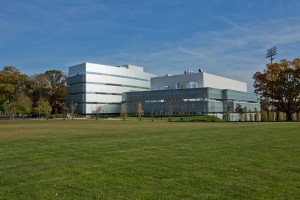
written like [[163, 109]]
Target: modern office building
[[99, 88], [102, 89], [193, 94]]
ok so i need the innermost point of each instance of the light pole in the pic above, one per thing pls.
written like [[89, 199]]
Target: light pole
[[271, 52]]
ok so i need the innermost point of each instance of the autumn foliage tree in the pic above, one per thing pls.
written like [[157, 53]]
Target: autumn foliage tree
[[13, 90], [58, 90], [279, 84], [19, 94], [140, 111], [50, 86]]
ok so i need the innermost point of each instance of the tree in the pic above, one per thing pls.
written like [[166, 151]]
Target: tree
[[152, 114], [10, 108], [170, 111], [64, 110], [73, 107], [12, 83], [51, 86], [281, 117], [18, 91], [264, 115], [98, 112], [23, 104], [256, 118], [279, 84], [245, 111], [266, 107], [57, 90], [239, 110], [140, 110], [44, 108], [251, 116], [124, 111], [40, 88]]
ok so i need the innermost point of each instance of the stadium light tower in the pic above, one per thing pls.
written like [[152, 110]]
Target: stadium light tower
[[271, 52]]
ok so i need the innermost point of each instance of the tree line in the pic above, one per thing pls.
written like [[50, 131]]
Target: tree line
[[37, 95]]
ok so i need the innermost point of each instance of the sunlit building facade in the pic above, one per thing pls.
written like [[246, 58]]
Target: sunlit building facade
[[199, 79], [193, 94], [102, 89], [99, 88]]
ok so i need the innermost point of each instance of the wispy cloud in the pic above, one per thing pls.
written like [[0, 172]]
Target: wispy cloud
[[200, 55], [236, 52], [162, 37]]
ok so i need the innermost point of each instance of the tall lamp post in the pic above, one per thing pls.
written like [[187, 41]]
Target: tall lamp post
[[271, 52]]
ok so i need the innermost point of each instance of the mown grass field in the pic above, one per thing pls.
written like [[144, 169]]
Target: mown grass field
[[102, 159]]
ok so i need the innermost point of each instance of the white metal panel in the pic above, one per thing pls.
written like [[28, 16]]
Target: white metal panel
[[101, 98], [116, 80], [210, 80], [106, 69]]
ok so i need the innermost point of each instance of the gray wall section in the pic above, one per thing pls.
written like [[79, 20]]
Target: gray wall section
[[194, 93], [178, 94], [241, 96], [76, 79], [78, 88], [170, 81], [75, 92]]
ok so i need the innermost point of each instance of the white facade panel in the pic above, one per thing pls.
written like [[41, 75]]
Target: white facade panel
[[103, 85], [213, 81], [200, 79], [122, 81], [103, 98], [122, 71], [110, 89]]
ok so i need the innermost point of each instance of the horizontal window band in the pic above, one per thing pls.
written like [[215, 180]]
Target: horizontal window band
[[106, 103], [78, 103], [120, 76], [103, 93], [75, 93], [94, 103], [78, 83], [119, 94], [109, 84], [119, 85]]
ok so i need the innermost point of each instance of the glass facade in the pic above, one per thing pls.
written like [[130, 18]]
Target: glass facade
[[189, 101]]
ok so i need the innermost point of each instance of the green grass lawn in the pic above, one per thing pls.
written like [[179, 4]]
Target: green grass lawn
[[113, 159]]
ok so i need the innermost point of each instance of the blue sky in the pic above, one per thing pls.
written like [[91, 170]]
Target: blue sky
[[223, 37]]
